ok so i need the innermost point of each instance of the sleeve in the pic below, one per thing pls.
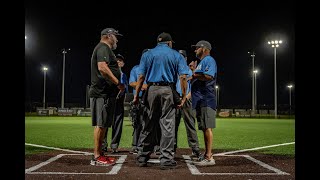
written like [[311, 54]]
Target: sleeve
[[124, 80], [210, 68], [143, 66], [182, 65], [133, 75], [103, 55]]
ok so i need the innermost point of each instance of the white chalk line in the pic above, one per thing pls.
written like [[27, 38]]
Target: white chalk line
[[187, 158], [115, 168], [253, 149], [194, 170], [60, 149]]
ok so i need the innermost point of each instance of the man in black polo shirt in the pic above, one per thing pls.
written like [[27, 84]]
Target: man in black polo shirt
[[105, 84]]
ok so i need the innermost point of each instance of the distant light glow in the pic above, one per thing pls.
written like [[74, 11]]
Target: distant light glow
[[290, 86], [217, 87], [275, 43], [45, 68], [25, 37], [255, 71]]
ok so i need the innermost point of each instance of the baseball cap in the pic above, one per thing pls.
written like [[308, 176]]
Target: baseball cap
[[120, 57], [204, 44], [163, 37], [183, 52], [110, 31]]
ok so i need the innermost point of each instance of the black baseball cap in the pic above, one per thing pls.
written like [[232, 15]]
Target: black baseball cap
[[183, 52], [120, 57], [163, 37], [110, 31], [204, 44]]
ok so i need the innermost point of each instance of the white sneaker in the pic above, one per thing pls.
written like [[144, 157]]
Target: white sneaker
[[205, 162]]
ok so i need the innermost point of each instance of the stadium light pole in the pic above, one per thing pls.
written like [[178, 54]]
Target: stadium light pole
[[274, 44], [45, 69], [255, 72], [217, 94], [64, 52], [253, 100], [290, 86]]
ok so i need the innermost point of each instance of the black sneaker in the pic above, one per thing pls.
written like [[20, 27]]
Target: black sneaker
[[196, 154], [142, 161], [114, 151], [169, 165], [157, 152], [134, 151], [105, 149]]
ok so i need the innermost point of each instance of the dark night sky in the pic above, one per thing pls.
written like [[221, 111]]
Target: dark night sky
[[232, 29]]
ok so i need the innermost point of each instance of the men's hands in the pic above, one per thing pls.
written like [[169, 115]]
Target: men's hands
[[135, 100], [193, 65], [183, 100], [121, 87], [144, 87]]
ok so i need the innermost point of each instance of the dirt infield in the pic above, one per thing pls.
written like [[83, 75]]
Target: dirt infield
[[246, 165]]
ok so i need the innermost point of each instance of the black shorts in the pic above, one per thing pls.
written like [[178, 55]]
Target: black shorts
[[102, 111]]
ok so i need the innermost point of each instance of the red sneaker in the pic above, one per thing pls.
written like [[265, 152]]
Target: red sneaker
[[103, 160], [111, 159]]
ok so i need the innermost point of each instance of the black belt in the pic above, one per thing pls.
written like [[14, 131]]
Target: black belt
[[159, 84]]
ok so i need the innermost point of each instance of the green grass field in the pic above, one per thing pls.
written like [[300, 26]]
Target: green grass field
[[229, 135]]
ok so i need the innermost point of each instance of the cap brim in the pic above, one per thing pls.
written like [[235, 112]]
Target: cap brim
[[116, 34]]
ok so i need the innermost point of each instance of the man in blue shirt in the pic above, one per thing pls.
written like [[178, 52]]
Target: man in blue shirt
[[160, 67], [204, 99], [188, 117], [119, 111], [142, 114]]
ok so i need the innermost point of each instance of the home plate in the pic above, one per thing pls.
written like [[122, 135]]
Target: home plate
[[155, 161]]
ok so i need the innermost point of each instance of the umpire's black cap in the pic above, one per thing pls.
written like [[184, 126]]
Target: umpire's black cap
[[110, 31], [119, 56], [183, 52], [163, 37]]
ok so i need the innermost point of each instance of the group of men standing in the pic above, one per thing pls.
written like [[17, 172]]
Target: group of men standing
[[165, 88]]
